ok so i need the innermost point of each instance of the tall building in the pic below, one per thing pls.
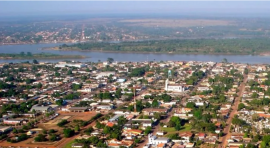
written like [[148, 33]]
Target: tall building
[[174, 87]]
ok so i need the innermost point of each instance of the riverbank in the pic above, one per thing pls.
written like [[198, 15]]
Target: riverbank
[[150, 52], [39, 56], [256, 46]]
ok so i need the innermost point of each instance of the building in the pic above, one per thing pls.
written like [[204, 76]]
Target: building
[[78, 109], [13, 121], [115, 118], [174, 87], [64, 64], [151, 111], [104, 107], [5, 129], [105, 74], [155, 140], [42, 108]]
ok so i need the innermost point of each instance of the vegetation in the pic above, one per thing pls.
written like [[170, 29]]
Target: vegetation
[[37, 56], [186, 46], [62, 123]]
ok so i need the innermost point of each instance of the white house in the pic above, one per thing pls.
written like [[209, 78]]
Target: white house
[[155, 140]]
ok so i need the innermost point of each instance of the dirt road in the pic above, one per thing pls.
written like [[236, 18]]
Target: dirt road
[[226, 130]]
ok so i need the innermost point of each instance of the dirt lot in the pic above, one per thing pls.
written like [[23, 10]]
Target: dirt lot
[[52, 124], [177, 22]]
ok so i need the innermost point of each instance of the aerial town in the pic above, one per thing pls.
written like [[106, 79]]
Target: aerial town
[[166, 104]]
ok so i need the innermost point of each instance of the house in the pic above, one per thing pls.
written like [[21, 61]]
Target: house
[[203, 88], [104, 107], [211, 138], [95, 133], [185, 136], [114, 143], [134, 132], [147, 123], [155, 140], [197, 100], [42, 109], [201, 136], [151, 111], [29, 133], [160, 133], [161, 145], [77, 145], [105, 74], [115, 118], [185, 110]]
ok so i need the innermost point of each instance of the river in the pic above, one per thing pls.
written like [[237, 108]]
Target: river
[[102, 56]]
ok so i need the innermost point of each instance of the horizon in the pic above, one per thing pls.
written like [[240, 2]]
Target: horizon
[[11, 9]]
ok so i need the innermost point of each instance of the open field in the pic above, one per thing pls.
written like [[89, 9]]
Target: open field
[[177, 22], [171, 130], [70, 116]]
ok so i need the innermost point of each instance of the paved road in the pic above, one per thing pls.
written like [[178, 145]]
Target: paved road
[[226, 130]]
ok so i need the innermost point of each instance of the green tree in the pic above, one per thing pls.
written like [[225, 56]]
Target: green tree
[[39, 85], [77, 128], [68, 132], [155, 103], [190, 105], [118, 93], [241, 106], [35, 61], [29, 54], [110, 60], [147, 130]]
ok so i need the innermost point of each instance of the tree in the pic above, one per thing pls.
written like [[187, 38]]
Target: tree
[[39, 85], [190, 105], [255, 117], [157, 116], [254, 95], [147, 130], [77, 128], [22, 53], [118, 93], [155, 103], [110, 60], [29, 54], [241, 106], [246, 71], [69, 72], [40, 138], [263, 144], [198, 114], [53, 137], [224, 60], [68, 132], [35, 61], [106, 130]]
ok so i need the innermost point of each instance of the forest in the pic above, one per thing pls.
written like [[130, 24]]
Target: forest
[[244, 46]]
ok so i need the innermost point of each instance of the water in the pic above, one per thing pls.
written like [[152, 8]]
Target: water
[[103, 56]]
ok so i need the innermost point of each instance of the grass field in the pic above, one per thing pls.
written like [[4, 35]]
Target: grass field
[[171, 130], [177, 22]]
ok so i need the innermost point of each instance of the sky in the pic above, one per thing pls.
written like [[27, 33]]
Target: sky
[[214, 8]]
